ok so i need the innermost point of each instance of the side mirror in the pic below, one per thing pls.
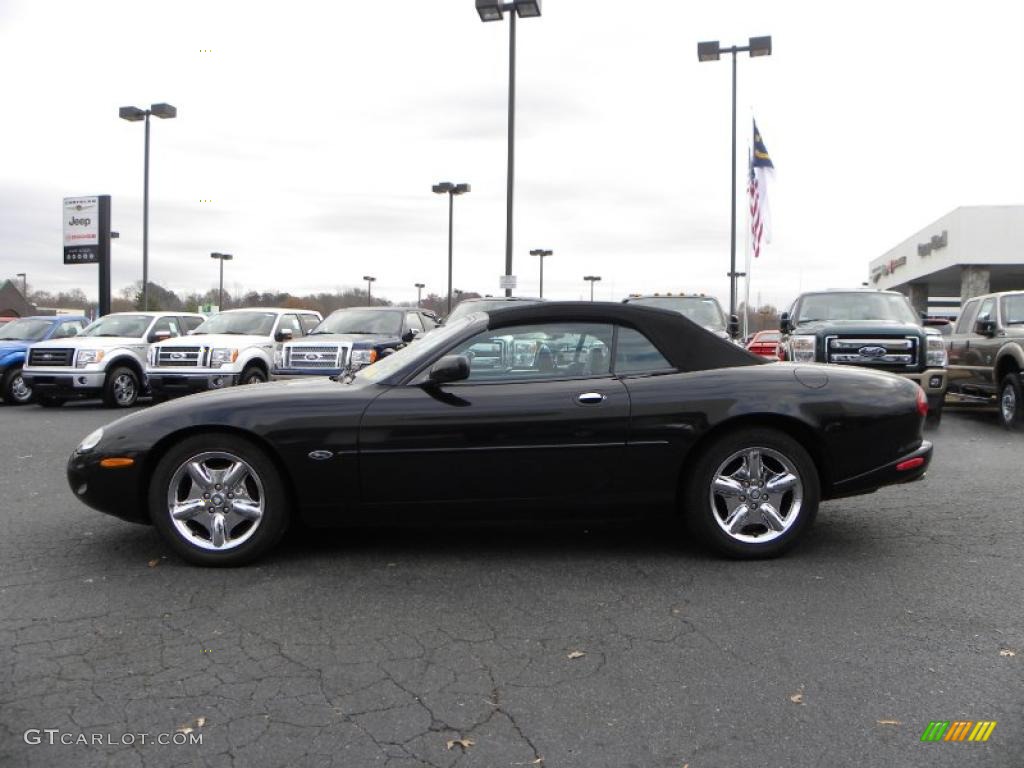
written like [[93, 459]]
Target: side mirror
[[285, 334], [985, 327], [409, 335], [159, 336], [449, 368], [784, 324], [734, 326]]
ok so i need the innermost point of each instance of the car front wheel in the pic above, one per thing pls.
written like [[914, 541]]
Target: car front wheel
[[752, 493], [15, 391], [122, 388], [252, 375], [218, 500], [1011, 402]]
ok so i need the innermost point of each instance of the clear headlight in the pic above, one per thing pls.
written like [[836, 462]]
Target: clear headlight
[[278, 358], [363, 356], [221, 357], [88, 357], [91, 441], [936, 356], [802, 348]]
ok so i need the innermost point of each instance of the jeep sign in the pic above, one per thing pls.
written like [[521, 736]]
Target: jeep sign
[[81, 230]]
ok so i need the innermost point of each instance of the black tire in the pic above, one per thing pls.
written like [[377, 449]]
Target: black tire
[[706, 514], [49, 401], [121, 388], [13, 388], [256, 541], [1011, 402], [252, 374]]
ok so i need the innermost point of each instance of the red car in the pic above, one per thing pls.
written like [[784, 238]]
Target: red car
[[765, 344]]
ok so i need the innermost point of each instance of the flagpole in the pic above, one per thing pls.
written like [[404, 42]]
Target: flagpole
[[746, 300]]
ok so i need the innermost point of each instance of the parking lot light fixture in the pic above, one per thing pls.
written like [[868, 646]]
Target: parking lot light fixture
[[592, 279], [489, 10], [221, 257], [134, 115], [369, 283], [447, 188], [419, 292], [543, 255], [710, 51]]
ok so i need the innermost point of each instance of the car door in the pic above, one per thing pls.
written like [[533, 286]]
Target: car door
[[957, 346], [538, 424], [979, 356]]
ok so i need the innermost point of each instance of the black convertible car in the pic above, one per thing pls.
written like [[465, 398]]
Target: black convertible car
[[555, 409]]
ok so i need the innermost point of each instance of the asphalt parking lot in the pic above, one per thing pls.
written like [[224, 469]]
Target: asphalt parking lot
[[601, 646]]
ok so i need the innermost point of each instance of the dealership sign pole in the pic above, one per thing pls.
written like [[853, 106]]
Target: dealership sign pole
[[87, 239]]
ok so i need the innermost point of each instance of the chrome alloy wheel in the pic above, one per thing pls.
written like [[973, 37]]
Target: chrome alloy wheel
[[215, 501], [1008, 403], [125, 389], [756, 495], [19, 390]]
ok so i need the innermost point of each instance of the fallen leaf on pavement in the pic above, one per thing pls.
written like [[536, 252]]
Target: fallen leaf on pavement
[[464, 743], [154, 562], [797, 698], [1007, 652], [889, 722], [576, 654], [200, 722]]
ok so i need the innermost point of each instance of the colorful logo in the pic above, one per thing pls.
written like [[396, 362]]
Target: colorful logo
[[958, 730]]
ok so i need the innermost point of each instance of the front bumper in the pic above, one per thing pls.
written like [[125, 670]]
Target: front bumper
[[933, 381], [64, 383], [165, 383], [291, 374], [119, 492], [905, 469]]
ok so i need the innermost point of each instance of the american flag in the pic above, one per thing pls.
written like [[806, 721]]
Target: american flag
[[757, 188]]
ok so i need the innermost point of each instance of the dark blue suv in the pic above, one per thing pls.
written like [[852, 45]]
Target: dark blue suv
[[15, 338]]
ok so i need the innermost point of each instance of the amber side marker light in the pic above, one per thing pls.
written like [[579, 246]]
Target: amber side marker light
[[115, 463], [903, 466]]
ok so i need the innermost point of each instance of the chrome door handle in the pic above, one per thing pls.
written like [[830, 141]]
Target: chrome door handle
[[590, 398]]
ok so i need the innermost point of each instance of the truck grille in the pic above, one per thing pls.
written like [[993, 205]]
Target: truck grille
[[51, 357], [891, 352], [326, 356], [179, 357]]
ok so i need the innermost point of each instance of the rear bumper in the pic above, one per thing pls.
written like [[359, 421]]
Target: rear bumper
[[905, 469], [186, 383]]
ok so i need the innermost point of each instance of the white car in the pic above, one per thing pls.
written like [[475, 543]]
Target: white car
[[107, 359], [233, 347]]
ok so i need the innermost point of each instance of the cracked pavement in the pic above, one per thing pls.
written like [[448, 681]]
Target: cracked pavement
[[449, 646]]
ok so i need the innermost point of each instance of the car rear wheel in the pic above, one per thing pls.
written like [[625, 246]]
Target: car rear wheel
[[252, 375], [1011, 402], [15, 391], [121, 389], [218, 500], [752, 493]]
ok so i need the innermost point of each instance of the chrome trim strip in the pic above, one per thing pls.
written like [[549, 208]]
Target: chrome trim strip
[[457, 449]]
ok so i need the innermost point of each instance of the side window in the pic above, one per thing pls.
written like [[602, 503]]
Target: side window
[[191, 323], [166, 325], [290, 322], [987, 311], [309, 322], [538, 352], [966, 322], [68, 329], [413, 322], [634, 353], [1013, 310]]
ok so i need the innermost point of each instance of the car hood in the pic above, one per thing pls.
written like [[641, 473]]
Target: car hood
[[348, 338], [859, 326], [214, 340], [7, 347], [92, 342]]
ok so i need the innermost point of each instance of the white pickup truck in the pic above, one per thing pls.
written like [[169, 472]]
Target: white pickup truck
[[107, 359], [233, 347]]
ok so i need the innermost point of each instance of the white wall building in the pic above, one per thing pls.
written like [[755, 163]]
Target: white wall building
[[968, 252]]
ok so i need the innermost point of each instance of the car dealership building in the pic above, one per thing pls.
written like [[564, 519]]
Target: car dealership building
[[968, 252]]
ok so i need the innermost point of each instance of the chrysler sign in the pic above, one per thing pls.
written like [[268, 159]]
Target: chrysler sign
[[81, 230]]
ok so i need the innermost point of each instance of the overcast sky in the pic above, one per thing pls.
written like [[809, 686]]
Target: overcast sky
[[317, 129]]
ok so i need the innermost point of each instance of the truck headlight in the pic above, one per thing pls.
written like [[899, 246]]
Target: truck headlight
[[363, 357], [88, 357], [802, 348], [224, 356], [936, 356], [278, 358], [91, 441]]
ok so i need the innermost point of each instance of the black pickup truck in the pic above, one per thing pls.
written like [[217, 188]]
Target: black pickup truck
[[986, 355], [872, 329]]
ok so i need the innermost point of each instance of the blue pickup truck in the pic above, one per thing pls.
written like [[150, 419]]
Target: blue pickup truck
[[15, 338]]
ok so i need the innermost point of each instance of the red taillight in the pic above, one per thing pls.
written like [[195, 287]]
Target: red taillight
[[922, 402], [903, 466]]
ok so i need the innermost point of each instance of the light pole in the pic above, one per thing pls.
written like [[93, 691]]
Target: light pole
[[221, 257], [592, 279], [446, 187], [133, 115], [24, 283], [369, 282], [543, 254], [493, 10], [419, 292], [711, 51]]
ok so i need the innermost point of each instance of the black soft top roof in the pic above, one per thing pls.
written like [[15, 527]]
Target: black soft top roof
[[686, 345]]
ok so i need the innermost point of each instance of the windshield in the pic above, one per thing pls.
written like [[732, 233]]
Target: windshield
[[376, 322], [855, 306], [425, 348], [703, 310], [133, 326], [239, 324], [24, 330], [485, 305]]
